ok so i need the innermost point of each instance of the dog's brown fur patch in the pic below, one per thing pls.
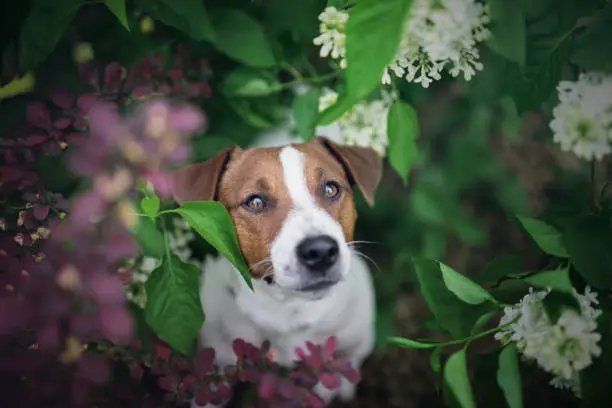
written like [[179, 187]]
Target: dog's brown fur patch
[[259, 171]]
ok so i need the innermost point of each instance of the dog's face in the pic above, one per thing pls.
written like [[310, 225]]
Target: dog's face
[[292, 207]]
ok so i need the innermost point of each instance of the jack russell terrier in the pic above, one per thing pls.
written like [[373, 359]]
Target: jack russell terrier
[[294, 214]]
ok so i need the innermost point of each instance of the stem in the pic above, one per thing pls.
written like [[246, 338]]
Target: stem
[[481, 334], [311, 80], [593, 184]]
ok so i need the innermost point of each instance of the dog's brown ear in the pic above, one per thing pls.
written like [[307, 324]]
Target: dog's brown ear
[[199, 182], [362, 165]]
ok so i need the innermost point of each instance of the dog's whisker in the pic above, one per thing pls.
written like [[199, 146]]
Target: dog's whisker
[[268, 272], [355, 243], [263, 262], [367, 258]]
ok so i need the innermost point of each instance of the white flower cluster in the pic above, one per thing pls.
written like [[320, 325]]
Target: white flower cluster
[[563, 348], [178, 242], [438, 34], [332, 38], [582, 121], [364, 125]]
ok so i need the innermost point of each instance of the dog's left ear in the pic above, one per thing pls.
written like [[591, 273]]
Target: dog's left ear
[[199, 182], [363, 166]]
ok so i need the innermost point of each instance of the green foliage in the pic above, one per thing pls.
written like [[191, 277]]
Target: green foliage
[[499, 267], [595, 391], [43, 29], [587, 240], [212, 221], [403, 129], [248, 82], [463, 288], [546, 236], [592, 48], [117, 7], [189, 16], [373, 34], [242, 38], [173, 309], [306, 111], [447, 303], [457, 378], [509, 376], [508, 31], [149, 238], [150, 206]]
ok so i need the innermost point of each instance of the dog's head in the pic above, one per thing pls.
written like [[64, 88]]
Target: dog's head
[[292, 207]]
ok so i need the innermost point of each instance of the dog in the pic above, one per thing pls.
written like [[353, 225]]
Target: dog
[[294, 214]]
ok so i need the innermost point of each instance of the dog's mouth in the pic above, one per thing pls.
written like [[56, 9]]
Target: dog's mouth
[[317, 286]]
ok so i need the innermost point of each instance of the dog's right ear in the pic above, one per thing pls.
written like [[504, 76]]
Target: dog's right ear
[[199, 182]]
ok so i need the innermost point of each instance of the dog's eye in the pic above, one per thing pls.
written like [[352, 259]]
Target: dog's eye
[[255, 203], [331, 189]]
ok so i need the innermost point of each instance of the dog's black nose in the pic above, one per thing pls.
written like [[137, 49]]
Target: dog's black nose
[[318, 253]]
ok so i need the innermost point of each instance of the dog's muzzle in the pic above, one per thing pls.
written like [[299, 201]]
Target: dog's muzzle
[[318, 253]]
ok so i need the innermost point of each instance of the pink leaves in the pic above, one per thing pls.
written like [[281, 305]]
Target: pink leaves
[[38, 115], [62, 99], [204, 362], [114, 74]]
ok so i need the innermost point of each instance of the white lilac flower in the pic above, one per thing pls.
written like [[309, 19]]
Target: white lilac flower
[[438, 35], [563, 348], [332, 38], [364, 125], [179, 240], [582, 121]]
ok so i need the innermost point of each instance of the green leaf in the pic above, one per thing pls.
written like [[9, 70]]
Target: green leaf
[[508, 31], [499, 267], [457, 378], [481, 322], [546, 236], [549, 45], [485, 383], [149, 238], [595, 379], [298, 18], [306, 111], [241, 37], [591, 50], [248, 82], [189, 16], [337, 3], [150, 206], [557, 279], [173, 309], [463, 287], [373, 34], [509, 376], [117, 7], [413, 344], [452, 313], [212, 221], [587, 240], [43, 29], [403, 130], [244, 109], [435, 360]]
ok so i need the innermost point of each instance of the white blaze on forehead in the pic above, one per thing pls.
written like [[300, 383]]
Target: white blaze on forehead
[[294, 176]]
